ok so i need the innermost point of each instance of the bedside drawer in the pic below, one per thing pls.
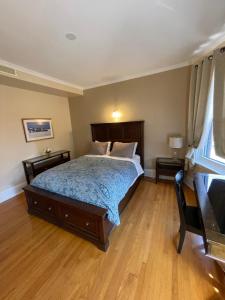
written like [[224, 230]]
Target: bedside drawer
[[72, 217], [49, 208]]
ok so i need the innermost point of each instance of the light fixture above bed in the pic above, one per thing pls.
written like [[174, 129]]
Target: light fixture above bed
[[116, 115]]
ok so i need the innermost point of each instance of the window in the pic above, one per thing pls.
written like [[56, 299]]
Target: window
[[205, 154], [209, 149]]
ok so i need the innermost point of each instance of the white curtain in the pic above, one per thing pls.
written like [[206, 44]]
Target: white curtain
[[201, 75], [208, 116], [219, 102]]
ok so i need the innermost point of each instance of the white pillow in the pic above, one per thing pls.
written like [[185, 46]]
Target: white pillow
[[108, 147], [124, 149]]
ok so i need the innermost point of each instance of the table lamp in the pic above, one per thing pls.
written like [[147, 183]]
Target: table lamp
[[175, 142]]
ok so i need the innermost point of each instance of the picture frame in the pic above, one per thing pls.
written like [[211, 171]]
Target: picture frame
[[36, 129]]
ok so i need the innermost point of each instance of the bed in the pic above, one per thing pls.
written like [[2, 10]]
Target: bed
[[87, 220]]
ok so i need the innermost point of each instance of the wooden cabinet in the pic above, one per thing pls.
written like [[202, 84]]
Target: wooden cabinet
[[36, 165], [168, 167]]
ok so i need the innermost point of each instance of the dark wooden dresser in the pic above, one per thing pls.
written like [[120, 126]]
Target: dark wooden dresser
[[36, 165]]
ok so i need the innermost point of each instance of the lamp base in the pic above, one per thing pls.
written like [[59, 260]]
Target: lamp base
[[175, 157]]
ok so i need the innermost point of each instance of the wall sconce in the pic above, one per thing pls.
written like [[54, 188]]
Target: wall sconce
[[116, 115]]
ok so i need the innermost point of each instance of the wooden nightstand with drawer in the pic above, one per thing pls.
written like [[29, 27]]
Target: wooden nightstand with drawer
[[168, 166]]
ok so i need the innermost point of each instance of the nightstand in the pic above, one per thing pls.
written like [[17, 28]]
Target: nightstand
[[168, 166]]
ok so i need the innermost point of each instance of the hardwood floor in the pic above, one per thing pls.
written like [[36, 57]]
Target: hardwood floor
[[41, 261]]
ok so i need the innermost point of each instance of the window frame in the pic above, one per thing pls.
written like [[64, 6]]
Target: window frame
[[211, 164]]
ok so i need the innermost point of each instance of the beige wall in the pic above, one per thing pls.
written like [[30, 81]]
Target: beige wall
[[161, 100], [16, 104]]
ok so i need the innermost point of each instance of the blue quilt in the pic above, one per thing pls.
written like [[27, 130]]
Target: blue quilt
[[96, 180]]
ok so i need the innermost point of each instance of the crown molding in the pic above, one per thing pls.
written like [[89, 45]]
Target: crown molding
[[212, 45], [139, 75], [40, 75], [121, 79]]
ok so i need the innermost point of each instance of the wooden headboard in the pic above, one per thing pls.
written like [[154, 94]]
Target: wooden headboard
[[121, 132]]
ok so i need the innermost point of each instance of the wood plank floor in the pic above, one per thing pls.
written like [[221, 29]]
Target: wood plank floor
[[41, 261]]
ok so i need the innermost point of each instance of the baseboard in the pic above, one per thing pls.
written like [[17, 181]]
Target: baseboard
[[11, 192]]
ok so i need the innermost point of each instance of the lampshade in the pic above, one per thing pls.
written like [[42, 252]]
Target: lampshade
[[175, 142]]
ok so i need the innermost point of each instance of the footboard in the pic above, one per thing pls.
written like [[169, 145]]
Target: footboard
[[83, 219], [86, 220]]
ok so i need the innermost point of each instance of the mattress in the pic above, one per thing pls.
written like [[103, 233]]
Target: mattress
[[99, 180]]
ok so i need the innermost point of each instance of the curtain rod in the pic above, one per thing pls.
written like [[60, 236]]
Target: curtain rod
[[210, 57]]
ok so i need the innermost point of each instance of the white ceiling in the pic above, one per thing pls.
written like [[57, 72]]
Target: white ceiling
[[116, 39]]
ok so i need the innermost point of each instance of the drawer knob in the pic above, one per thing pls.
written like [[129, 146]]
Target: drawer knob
[[50, 208], [87, 224], [66, 216], [35, 202]]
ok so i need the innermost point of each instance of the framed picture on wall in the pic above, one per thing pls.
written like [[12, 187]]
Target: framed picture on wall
[[37, 129]]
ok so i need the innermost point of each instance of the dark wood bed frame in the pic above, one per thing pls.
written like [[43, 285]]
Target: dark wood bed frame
[[86, 220]]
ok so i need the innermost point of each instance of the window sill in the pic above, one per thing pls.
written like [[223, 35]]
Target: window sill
[[212, 165]]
